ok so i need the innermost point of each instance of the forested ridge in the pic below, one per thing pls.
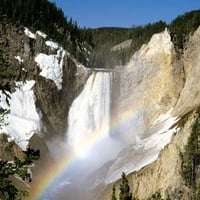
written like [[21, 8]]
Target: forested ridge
[[183, 26], [47, 17], [105, 38], [191, 160]]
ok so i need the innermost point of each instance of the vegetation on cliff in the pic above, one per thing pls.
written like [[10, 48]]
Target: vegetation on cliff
[[45, 16], [183, 26], [125, 194], [191, 160], [105, 38], [17, 169], [124, 189]]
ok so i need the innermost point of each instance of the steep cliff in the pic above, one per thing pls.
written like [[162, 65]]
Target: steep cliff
[[42, 79], [39, 79], [150, 85], [153, 103], [21, 48], [151, 82], [170, 82]]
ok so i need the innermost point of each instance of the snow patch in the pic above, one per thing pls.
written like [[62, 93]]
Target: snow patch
[[23, 120], [52, 44], [29, 33], [23, 69], [43, 35], [19, 59], [145, 152], [163, 117], [52, 66]]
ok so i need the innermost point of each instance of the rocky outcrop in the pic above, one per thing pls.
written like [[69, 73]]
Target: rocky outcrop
[[163, 175], [150, 85], [123, 45], [154, 82], [151, 82], [9, 150], [178, 85], [18, 51], [190, 95]]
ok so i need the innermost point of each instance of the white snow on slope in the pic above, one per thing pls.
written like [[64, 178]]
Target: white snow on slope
[[138, 155], [20, 60], [52, 44], [43, 35], [23, 120], [29, 33], [52, 66]]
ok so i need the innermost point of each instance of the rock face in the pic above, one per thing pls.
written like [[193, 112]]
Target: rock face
[[9, 150], [163, 175], [191, 60], [41, 80], [19, 49], [150, 85], [124, 45], [170, 83], [155, 82], [151, 81]]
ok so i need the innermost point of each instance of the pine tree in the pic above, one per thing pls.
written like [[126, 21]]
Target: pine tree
[[113, 194], [124, 189], [191, 156], [16, 168], [156, 196]]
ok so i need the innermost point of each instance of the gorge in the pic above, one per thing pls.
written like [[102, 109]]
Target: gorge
[[92, 124]]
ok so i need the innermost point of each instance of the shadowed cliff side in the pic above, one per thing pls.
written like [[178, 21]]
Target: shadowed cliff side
[[52, 103]]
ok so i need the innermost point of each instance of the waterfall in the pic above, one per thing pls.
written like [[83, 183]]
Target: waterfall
[[88, 141], [89, 115]]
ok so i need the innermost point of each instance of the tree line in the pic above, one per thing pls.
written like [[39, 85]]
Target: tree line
[[105, 38], [183, 26], [191, 160], [16, 168], [125, 192], [47, 17]]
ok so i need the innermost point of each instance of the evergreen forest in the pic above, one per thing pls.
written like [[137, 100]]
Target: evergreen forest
[[105, 38], [47, 17]]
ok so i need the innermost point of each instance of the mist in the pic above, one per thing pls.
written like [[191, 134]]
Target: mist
[[93, 140], [87, 141]]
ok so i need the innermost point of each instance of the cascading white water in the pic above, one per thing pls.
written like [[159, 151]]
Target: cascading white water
[[88, 139], [89, 115]]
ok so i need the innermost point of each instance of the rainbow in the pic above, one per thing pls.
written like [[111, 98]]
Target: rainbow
[[54, 171]]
